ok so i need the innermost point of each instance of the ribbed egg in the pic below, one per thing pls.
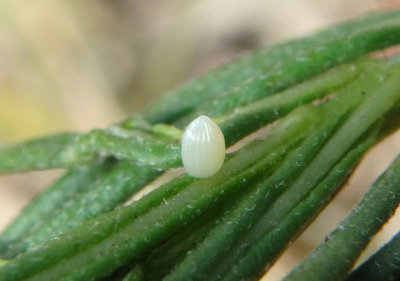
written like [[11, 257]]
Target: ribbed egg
[[203, 148]]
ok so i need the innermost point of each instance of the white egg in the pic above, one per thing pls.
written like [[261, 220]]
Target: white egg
[[203, 148]]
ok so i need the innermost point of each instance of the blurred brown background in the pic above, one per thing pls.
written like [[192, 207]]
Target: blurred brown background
[[76, 65]]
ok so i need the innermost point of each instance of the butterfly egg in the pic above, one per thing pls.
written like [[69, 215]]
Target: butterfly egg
[[203, 148]]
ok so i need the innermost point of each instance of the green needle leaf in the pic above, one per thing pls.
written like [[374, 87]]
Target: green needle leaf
[[335, 257], [383, 265]]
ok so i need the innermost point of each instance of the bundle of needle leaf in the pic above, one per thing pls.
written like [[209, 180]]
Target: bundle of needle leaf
[[326, 101]]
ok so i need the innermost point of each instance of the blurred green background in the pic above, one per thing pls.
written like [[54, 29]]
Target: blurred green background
[[76, 65]]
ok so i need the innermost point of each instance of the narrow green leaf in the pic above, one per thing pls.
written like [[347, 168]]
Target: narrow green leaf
[[101, 195], [158, 148], [157, 153], [37, 154], [252, 117], [383, 265], [283, 65], [136, 274], [49, 202], [337, 254], [161, 260], [127, 273]]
